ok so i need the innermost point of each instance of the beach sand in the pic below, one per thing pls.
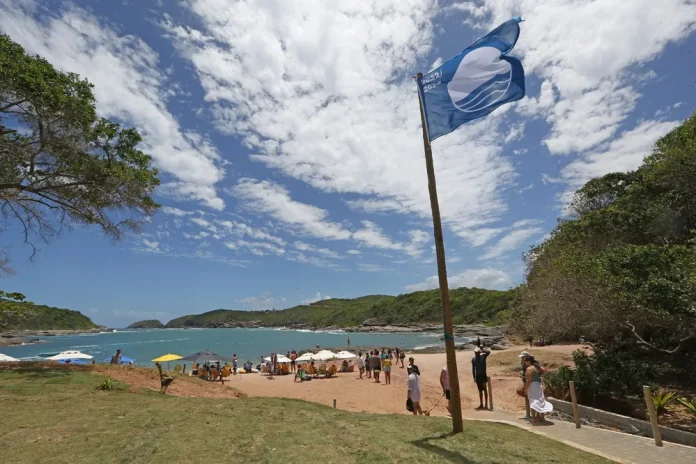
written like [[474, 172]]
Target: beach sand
[[363, 395]]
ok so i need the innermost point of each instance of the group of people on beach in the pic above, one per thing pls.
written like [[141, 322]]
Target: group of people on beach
[[376, 362]]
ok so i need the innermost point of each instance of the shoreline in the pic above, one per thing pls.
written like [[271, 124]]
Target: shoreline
[[28, 337]]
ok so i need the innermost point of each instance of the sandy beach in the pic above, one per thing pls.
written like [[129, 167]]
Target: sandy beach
[[364, 395]]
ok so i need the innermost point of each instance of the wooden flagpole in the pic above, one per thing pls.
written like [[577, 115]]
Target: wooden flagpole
[[457, 425]]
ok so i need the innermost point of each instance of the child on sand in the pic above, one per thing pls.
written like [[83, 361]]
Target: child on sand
[[387, 370]]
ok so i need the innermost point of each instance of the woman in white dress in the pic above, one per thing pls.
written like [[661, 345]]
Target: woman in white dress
[[532, 389]]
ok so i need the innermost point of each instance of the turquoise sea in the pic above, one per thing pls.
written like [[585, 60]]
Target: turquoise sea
[[146, 344]]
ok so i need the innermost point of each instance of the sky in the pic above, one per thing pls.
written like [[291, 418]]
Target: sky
[[288, 138]]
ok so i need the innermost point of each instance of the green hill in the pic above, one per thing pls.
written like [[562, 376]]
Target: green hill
[[29, 316], [148, 324], [469, 305]]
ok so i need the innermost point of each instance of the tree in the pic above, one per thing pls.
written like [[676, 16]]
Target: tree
[[621, 270], [60, 165]]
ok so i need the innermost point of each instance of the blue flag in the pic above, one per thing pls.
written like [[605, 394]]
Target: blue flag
[[474, 83]]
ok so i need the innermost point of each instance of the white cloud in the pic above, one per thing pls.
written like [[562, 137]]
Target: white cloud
[[322, 251], [624, 153], [273, 199], [510, 242], [372, 236], [175, 211], [295, 80], [478, 237], [367, 267], [127, 85], [492, 279], [264, 301], [256, 248], [353, 252], [583, 49], [315, 298]]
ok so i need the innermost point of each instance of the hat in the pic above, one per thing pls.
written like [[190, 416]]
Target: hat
[[477, 350], [525, 354]]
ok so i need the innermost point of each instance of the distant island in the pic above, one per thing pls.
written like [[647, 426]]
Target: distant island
[[469, 306], [147, 324]]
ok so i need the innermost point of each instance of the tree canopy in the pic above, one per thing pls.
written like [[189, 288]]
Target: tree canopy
[[61, 165], [622, 267]]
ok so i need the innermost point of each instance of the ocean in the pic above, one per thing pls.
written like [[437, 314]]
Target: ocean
[[143, 345]]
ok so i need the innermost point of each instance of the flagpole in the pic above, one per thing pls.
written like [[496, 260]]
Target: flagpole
[[457, 425]]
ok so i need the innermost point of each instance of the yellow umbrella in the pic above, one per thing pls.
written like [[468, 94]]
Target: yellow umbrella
[[167, 357]]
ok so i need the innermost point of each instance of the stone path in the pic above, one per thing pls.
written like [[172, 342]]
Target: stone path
[[617, 446]]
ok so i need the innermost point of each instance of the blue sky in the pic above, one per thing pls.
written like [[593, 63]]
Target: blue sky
[[288, 138]]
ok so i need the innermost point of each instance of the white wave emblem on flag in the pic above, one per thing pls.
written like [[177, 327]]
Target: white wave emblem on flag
[[481, 80]]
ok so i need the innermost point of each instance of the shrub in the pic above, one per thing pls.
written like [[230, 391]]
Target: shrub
[[689, 405], [610, 371], [661, 400], [556, 382], [107, 384]]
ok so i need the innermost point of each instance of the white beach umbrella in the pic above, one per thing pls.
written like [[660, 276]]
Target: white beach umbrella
[[345, 355], [63, 355], [282, 359], [5, 358], [307, 357], [325, 355]]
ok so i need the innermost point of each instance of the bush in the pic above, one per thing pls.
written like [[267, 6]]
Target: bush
[[556, 382], [689, 405], [611, 372], [107, 384], [661, 400]]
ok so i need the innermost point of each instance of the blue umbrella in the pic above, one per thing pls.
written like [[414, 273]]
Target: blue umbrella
[[124, 360]]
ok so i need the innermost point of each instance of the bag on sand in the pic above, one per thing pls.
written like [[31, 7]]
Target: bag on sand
[[520, 390], [409, 404]]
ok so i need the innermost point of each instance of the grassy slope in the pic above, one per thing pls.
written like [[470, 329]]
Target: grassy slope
[[468, 306], [57, 415], [40, 317]]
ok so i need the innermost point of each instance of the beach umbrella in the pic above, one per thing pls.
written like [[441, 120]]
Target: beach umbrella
[[325, 355], [167, 358], [5, 358], [124, 360], [282, 359], [345, 355], [206, 356], [307, 357], [65, 355]]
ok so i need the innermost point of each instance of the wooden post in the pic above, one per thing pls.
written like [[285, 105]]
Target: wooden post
[[574, 397], [490, 394], [457, 424], [334, 404], [657, 435]]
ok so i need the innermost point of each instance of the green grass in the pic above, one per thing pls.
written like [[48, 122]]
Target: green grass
[[468, 305], [57, 416]]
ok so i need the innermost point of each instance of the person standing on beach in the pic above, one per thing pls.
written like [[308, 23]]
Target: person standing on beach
[[293, 364], [386, 366], [368, 365], [414, 394], [402, 356], [376, 365], [382, 357], [361, 365], [348, 340], [444, 382], [478, 370], [116, 358]]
